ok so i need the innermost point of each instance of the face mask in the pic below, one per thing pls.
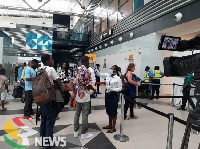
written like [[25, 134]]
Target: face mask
[[110, 71]]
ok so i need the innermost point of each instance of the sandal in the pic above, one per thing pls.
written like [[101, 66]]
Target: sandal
[[109, 131], [135, 117], [3, 109], [127, 118], [107, 127]]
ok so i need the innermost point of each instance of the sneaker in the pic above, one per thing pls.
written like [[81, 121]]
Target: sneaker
[[86, 136], [76, 134]]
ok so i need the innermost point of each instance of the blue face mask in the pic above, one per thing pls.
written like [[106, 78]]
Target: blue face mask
[[110, 71]]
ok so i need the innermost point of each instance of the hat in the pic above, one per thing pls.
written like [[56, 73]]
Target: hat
[[97, 65]]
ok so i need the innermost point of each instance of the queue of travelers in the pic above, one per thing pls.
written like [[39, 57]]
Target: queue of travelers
[[82, 85]]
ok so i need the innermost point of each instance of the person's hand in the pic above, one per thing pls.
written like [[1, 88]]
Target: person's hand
[[138, 84]]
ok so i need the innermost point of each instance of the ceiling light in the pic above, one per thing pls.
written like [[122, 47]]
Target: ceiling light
[[131, 35], [120, 39]]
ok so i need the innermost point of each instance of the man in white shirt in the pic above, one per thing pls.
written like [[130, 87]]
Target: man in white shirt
[[49, 110], [82, 96], [93, 82]]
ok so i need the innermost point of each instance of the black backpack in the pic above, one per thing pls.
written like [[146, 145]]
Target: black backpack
[[125, 85]]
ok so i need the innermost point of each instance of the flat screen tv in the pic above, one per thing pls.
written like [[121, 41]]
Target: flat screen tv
[[169, 43]]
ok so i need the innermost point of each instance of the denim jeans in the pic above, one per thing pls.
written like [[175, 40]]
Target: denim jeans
[[48, 115], [28, 103]]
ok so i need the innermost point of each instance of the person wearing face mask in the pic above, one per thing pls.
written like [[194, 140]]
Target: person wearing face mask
[[133, 82], [113, 86]]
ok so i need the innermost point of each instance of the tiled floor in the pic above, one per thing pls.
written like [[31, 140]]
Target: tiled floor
[[149, 131]]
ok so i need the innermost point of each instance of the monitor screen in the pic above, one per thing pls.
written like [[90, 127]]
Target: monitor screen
[[169, 43]]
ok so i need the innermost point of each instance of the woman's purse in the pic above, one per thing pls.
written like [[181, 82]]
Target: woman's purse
[[59, 96]]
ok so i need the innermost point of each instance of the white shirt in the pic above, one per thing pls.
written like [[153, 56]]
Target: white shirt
[[92, 75], [51, 72], [113, 83]]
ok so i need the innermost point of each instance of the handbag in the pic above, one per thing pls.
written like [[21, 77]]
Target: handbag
[[59, 96]]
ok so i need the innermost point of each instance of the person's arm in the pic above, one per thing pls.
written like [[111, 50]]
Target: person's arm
[[129, 77], [185, 85], [102, 75], [119, 86], [28, 75]]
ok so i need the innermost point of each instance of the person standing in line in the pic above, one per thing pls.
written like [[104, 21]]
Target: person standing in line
[[98, 78], [58, 68], [82, 95], [186, 93], [133, 82], [113, 87], [30, 74], [147, 79], [157, 75], [20, 70], [93, 82], [3, 88], [49, 110], [1, 67]]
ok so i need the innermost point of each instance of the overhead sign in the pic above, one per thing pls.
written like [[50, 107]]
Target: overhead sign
[[107, 34], [131, 57], [92, 57]]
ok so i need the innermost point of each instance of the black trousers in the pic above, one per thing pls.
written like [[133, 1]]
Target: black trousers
[[127, 105], [156, 88], [146, 88], [186, 97], [28, 103]]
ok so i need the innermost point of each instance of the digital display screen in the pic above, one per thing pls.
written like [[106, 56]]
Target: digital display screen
[[169, 43]]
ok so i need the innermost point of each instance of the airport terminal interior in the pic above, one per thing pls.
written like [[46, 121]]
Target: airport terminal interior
[[126, 71]]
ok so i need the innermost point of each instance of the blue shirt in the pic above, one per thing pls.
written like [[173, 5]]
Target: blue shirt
[[20, 70], [29, 73], [188, 79]]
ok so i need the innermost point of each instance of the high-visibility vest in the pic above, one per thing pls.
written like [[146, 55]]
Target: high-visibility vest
[[156, 74], [146, 77]]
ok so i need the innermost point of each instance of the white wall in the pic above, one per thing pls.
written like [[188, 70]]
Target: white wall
[[150, 56], [1, 50]]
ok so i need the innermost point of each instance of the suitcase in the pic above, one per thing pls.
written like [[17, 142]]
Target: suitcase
[[17, 92]]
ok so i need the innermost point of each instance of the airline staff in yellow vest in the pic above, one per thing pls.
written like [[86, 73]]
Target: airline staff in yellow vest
[[157, 74], [147, 79]]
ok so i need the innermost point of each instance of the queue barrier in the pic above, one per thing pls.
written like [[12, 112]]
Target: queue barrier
[[123, 138]]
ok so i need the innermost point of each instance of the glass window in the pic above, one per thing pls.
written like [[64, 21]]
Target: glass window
[[112, 7], [113, 19], [104, 3], [126, 8], [97, 29], [122, 2], [104, 25]]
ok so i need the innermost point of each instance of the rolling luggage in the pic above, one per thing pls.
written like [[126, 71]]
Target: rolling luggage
[[17, 92]]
